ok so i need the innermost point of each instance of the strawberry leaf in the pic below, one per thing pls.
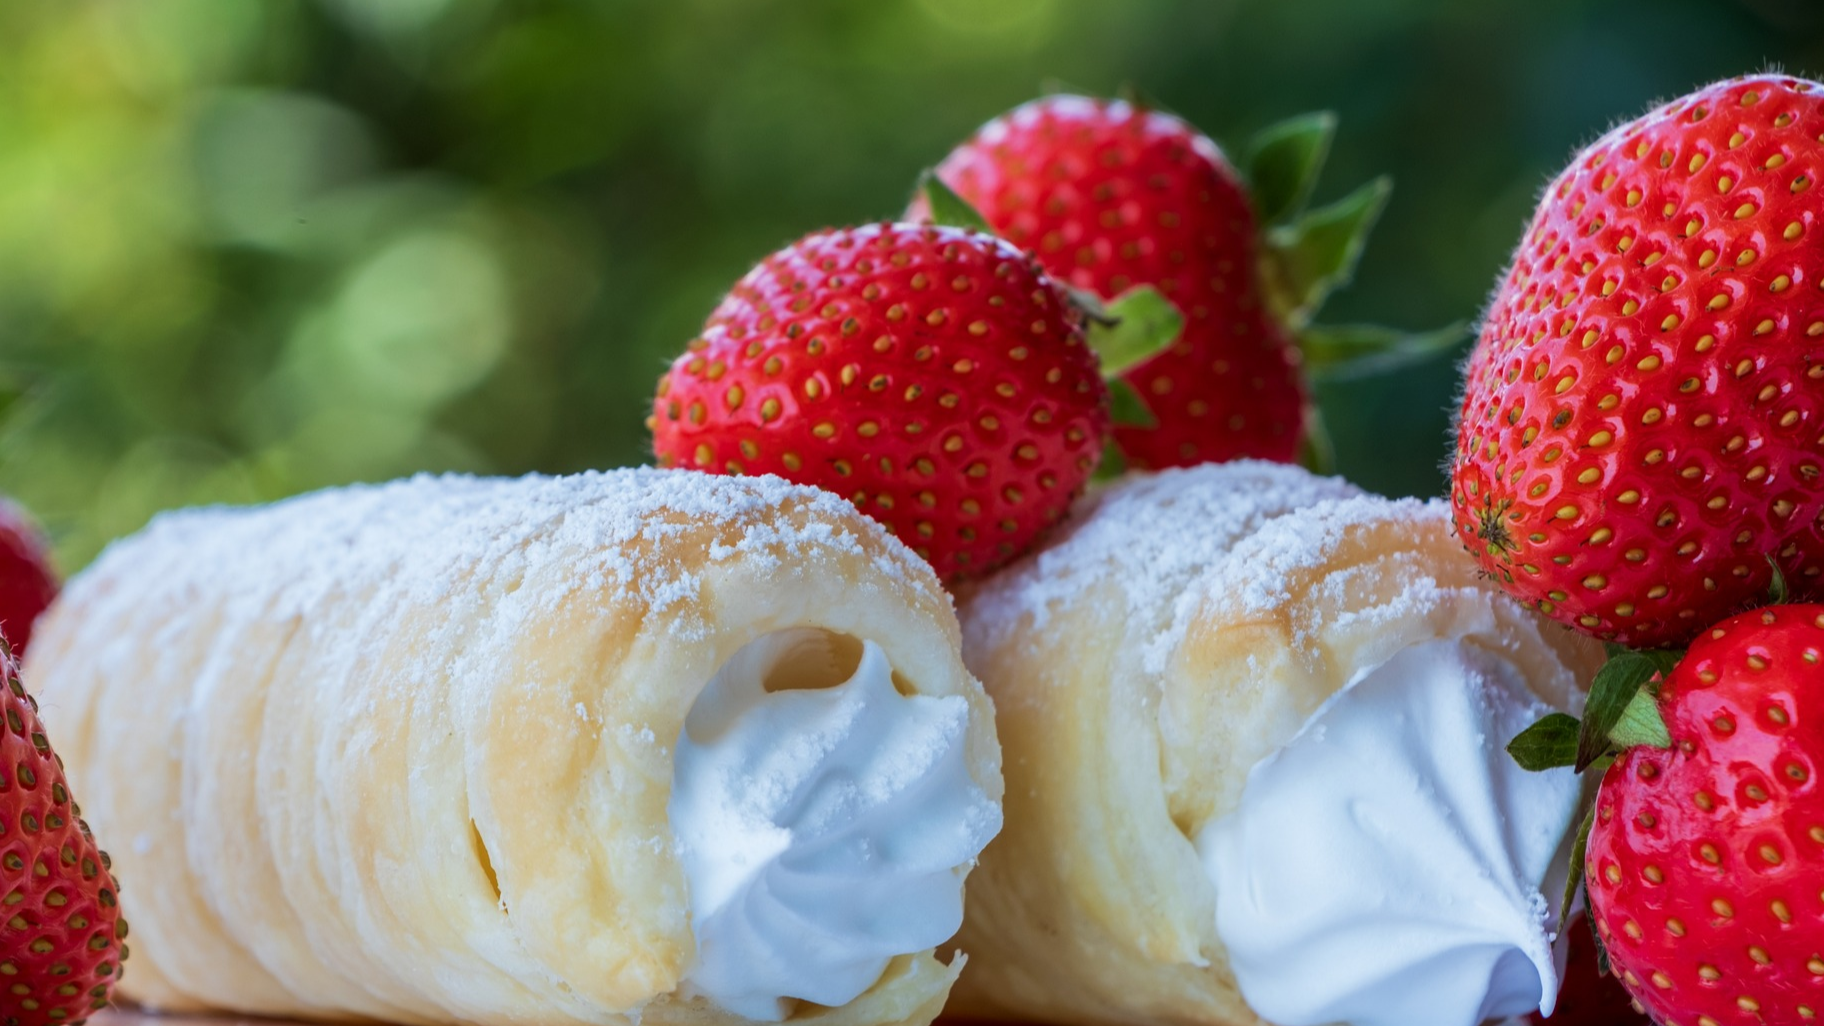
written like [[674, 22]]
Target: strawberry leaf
[[1139, 324], [1345, 352], [1316, 254], [1089, 305], [1616, 684], [1641, 723], [1284, 161], [947, 208], [1125, 406], [1550, 743]]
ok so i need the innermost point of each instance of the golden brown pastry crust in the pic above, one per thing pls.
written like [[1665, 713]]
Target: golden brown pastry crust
[[405, 752], [1177, 630]]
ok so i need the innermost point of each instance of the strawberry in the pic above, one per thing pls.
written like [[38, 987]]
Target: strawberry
[[1589, 996], [1705, 860], [1640, 425], [1108, 195], [62, 941], [933, 375], [27, 582]]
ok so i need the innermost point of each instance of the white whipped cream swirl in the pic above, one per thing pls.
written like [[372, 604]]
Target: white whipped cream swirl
[[823, 830], [1391, 865]]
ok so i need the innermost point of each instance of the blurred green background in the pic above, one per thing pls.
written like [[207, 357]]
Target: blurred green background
[[251, 248]]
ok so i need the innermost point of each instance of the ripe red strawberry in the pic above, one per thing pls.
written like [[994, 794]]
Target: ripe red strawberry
[[1589, 996], [933, 375], [1705, 863], [1109, 195], [62, 940], [27, 582], [1641, 423]]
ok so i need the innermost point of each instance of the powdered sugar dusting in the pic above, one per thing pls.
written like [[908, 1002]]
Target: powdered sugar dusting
[[1155, 535], [1255, 579], [1258, 582], [415, 538]]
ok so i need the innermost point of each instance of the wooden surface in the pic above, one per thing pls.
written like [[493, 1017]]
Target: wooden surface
[[134, 1017]]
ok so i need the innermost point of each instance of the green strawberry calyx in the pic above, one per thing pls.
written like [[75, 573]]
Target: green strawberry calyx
[[1125, 332], [1307, 254], [1133, 327], [1621, 712]]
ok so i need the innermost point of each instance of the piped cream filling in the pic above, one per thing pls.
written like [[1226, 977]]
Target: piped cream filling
[[1391, 865], [825, 822]]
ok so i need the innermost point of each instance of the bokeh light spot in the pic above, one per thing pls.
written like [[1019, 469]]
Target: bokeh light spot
[[263, 157], [423, 319]]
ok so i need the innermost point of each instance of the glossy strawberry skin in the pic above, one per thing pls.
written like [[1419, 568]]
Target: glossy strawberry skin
[[1641, 424], [62, 938], [1706, 860], [27, 582], [934, 376], [1108, 196]]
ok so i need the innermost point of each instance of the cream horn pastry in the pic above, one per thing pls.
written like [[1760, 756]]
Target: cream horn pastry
[[1253, 723], [640, 746]]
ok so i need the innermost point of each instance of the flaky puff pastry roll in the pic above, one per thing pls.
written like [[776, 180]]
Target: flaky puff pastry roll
[[636, 746], [1253, 724]]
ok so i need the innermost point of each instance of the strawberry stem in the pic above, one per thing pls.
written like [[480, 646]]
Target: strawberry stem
[[1089, 305], [1579, 850]]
